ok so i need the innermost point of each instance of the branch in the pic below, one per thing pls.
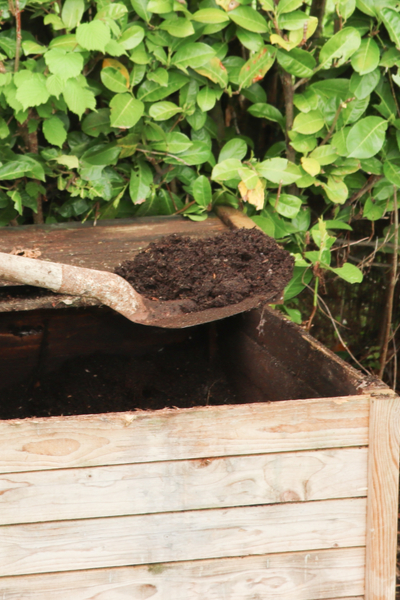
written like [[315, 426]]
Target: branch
[[391, 290], [163, 154], [287, 85], [370, 184], [328, 136], [318, 10], [17, 14]]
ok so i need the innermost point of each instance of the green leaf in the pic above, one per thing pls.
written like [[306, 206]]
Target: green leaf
[[65, 42], [275, 170], [162, 111], [33, 48], [235, 148], [325, 155], [113, 80], [159, 7], [366, 137], [267, 111], [250, 40], [33, 91], [174, 143], [72, 12], [345, 8], [131, 37], [362, 85], [4, 129], [256, 67], [249, 178], [160, 76], [55, 85], [54, 131], [349, 273], [180, 28], [102, 154], [226, 170], [140, 7], [55, 21], [249, 19], [64, 65], [150, 91], [391, 19], [297, 62], [366, 58], [14, 169], [336, 190], [206, 98], [197, 154], [193, 55], [210, 15], [392, 172], [373, 210], [125, 111], [287, 6], [266, 224], [214, 70], [308, 123], [288, 206], [301, 277], [293, 20], [93, 36], [68, 160], [202, 191], [341, 46], [78, 98]]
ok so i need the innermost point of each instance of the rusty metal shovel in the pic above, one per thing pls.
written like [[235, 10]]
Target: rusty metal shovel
[[113, 291]]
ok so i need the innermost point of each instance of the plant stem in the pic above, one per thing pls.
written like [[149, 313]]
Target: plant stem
[[318, 10], [391, 290], [17, 14], [163, 154], [287, 85], [370, 184], [328, 136]]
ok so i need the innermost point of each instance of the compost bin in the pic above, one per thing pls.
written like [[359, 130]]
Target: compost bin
[[274, 477]]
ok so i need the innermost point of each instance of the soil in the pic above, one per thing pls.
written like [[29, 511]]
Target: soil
[[179, 375], [213, 272]]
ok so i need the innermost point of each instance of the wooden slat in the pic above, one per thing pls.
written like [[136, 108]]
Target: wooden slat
[[182, 485], [118, 438], [194, 535], [310, 576], [383, 480]]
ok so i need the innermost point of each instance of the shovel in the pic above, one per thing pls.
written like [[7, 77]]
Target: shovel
[[115, 292]]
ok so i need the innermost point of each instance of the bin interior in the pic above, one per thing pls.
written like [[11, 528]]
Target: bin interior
[[92, 360]]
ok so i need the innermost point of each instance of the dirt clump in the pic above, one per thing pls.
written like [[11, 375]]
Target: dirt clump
[[212, 272]]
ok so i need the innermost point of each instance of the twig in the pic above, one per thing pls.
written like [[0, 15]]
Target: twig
[[392, 286], [287, 85], [15, 10], [185, 207], [278, 195], [342, 105], [300, 82], [369, 185], [163, 154]]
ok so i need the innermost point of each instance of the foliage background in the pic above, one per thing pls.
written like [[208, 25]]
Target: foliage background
[[286, 109]]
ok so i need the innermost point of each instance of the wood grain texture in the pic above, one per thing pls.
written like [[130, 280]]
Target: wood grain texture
[[182, 485], [118, 438], [192, 535], [310, 576], [383, 486]]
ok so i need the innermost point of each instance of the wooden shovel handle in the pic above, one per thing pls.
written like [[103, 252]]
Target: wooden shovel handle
[[110, 289]]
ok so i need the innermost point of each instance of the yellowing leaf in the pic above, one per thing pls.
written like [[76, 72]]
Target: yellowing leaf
[[300, 36], [227, 5], [214, 70], [255, 196], [311, 166], [277, 39], [115, 64], [256, 67]]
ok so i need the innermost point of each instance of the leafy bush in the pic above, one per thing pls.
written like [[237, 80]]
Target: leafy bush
[[157, 107]]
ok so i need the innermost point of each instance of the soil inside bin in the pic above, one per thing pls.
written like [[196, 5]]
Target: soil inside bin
[[212, 272], [179, 375]]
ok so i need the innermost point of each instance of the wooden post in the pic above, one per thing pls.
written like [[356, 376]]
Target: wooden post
[[382, 509]]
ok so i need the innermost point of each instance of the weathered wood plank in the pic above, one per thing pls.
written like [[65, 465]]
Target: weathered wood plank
[[309, 576], [192, 535], [118, 438], [182, 485], [383, 486], [104, 246]]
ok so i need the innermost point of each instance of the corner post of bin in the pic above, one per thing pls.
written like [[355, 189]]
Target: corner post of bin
[[382, 501]]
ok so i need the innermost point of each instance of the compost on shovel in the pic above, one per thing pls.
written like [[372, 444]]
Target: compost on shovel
[[211, 272]]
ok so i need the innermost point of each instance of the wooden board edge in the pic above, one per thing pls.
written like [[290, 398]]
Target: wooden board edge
[[382, 499]]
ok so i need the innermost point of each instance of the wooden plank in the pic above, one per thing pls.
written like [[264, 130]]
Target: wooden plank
[[210, 431], [104, 246], [182, 485], [171, 537], [383, 486], [309, 576]]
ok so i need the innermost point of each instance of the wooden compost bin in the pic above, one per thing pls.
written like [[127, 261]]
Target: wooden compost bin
[[290, 494]]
